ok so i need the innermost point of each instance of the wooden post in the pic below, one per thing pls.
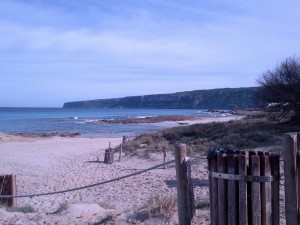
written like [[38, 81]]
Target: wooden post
[[120, 153], [165, 155], [13, 190], [182, 185], [290, 147], [8, 187], [109, 156]]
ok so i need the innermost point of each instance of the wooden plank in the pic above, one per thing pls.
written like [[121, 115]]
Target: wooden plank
[[232, 193], [213, 192], [266, 197], [275, 171], [190, 192], [298, 175], [289, 147], [243, 208], [13, 190], [182, 185], [249, 186], [222, 190], [255, 197]]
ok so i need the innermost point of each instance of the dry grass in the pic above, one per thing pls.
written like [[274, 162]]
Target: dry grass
[[163, 206], [242, 134]]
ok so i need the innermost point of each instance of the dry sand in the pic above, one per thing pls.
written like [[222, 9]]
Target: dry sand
[[53, 164]]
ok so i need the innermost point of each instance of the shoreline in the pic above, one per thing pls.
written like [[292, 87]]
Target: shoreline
[[163, 122], [46, 164]]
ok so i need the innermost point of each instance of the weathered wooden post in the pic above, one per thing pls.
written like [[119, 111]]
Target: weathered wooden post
[[120, 152], [291, 145], [8, 187], [121, 147], [165, 155], [182, 185], [13, 190], [109, 155]]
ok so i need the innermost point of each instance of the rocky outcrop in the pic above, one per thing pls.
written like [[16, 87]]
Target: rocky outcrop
[[154, 119], [225, 98]]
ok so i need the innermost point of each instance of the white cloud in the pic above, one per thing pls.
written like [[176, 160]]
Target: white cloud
[[202, 44]]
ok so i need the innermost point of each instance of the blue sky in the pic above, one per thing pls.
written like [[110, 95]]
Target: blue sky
[[54, 51]]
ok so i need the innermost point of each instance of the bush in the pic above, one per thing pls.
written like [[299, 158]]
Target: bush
[[202, 204], [163, 206], [250, 133], [23, 209]]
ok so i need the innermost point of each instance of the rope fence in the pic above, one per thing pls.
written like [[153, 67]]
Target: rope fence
[[88, 186]]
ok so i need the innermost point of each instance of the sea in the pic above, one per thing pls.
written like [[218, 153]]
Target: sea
[[44, 120]]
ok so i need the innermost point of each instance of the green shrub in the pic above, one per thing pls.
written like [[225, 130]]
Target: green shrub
[[250, 133], [202, 204], [23, 209]]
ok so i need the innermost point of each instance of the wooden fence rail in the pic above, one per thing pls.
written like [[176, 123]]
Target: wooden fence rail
[[244, 189], [8, 187]]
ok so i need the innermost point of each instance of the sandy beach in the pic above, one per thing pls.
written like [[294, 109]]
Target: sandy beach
[[58, 163]]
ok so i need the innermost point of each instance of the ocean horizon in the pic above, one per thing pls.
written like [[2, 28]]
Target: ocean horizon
[[45, 120]]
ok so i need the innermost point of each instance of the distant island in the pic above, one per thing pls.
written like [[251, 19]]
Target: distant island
[[223, 98]]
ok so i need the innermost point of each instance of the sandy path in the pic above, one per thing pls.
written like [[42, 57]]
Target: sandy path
[[52, 164]]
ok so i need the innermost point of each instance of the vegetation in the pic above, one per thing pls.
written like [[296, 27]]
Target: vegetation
[[224, 98], [23, 209], [281, 89], [242, 134], [202, 204], [163, 206]]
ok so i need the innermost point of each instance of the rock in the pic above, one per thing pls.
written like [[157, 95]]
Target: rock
[[88, 210]]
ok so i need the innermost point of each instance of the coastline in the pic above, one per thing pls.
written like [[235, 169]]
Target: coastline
[[45, 164], [161, 122]]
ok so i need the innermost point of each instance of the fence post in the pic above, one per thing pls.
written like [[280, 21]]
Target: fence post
[[165, 155], [13, 190], [120, 153], [8, 187], [109, 156], [291, 145], [182, 185]]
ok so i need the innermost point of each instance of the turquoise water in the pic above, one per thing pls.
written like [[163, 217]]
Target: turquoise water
[[76, 120]]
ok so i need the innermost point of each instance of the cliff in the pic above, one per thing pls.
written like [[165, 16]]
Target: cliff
[[225, 98]]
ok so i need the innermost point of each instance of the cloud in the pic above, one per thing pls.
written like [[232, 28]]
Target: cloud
[[161, 46]]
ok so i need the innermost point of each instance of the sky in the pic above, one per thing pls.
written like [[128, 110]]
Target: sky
[[56, 51]]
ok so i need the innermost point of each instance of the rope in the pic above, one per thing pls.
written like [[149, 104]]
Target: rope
[[88, 186]]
